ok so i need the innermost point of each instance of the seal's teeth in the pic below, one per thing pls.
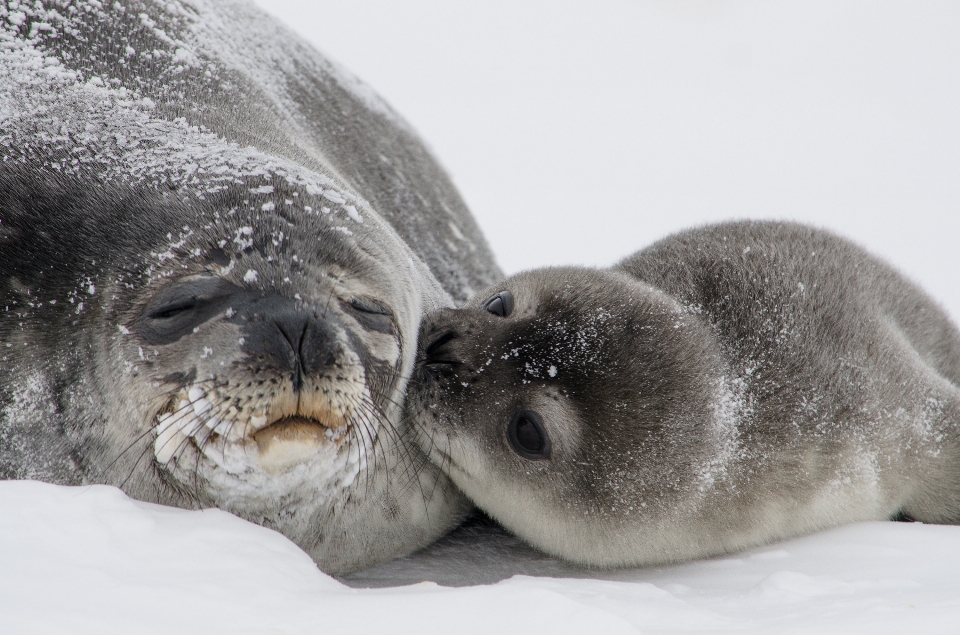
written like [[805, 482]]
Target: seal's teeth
[[195, 393], [183, 404], [212, 423], [167, 443], [201, 405], [258, 421]]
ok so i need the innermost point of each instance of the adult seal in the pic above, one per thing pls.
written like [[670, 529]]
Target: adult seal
[[726, 387], [216, 250]]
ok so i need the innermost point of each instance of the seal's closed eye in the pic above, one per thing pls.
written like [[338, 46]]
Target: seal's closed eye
[[174, 308], [369, 305], [500, 304], [371, 314], [527, 435], [182, 306]]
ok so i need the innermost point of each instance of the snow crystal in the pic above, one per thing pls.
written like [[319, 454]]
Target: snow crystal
[[353, 213], [242, 239], [334, 197], [456, 231]]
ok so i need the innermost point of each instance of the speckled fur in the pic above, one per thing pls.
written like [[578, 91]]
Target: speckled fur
[[726, 387], [142, 144]]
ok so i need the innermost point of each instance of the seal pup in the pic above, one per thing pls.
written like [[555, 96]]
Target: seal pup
[[724, 388], [215, 250]]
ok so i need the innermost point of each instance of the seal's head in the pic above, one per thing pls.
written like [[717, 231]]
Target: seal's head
[[569, 403], [215, 249], [246, 349], [252, 352]]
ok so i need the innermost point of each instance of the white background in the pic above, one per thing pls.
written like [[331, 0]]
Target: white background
[[579, 132]]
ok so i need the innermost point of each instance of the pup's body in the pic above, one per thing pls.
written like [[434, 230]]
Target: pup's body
[[726, 387]]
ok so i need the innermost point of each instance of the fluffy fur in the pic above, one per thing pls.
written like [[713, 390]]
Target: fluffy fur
[[217, 247], [726, 387]]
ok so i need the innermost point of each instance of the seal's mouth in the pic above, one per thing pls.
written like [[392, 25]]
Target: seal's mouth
[[213, 426], [290, 441], [291, 428]]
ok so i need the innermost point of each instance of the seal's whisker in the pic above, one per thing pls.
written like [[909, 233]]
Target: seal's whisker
[[176, 415], [154, 310], [367, 433], [382, 423], [326, 306], [219, 407], [413, 462], [133, 468], [140, 437], [150, 430], [440, 469], [360, 441], [428, 441]]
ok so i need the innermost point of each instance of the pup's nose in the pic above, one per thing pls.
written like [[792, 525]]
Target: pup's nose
[[438, 353]]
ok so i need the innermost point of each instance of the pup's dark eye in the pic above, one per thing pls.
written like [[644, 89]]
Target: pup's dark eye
[[527, 435], [500, 304]]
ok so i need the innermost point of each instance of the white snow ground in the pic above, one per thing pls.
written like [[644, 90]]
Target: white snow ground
[[579, 132], [90, 560]]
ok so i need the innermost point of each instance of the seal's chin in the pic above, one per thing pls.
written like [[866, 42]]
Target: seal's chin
[[290, 441]]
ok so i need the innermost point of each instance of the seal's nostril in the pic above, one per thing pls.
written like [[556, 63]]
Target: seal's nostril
[[290, 339], [437, 353], [294, 330], [438, 343]]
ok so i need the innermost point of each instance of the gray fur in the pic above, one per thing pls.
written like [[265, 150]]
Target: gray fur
[[726, 387], [147, 149]]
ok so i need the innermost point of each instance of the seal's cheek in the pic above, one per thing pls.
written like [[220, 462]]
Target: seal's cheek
[[385, 348]]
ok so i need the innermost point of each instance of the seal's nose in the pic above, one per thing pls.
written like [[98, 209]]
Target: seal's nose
[[438, 353], [290, 338]]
